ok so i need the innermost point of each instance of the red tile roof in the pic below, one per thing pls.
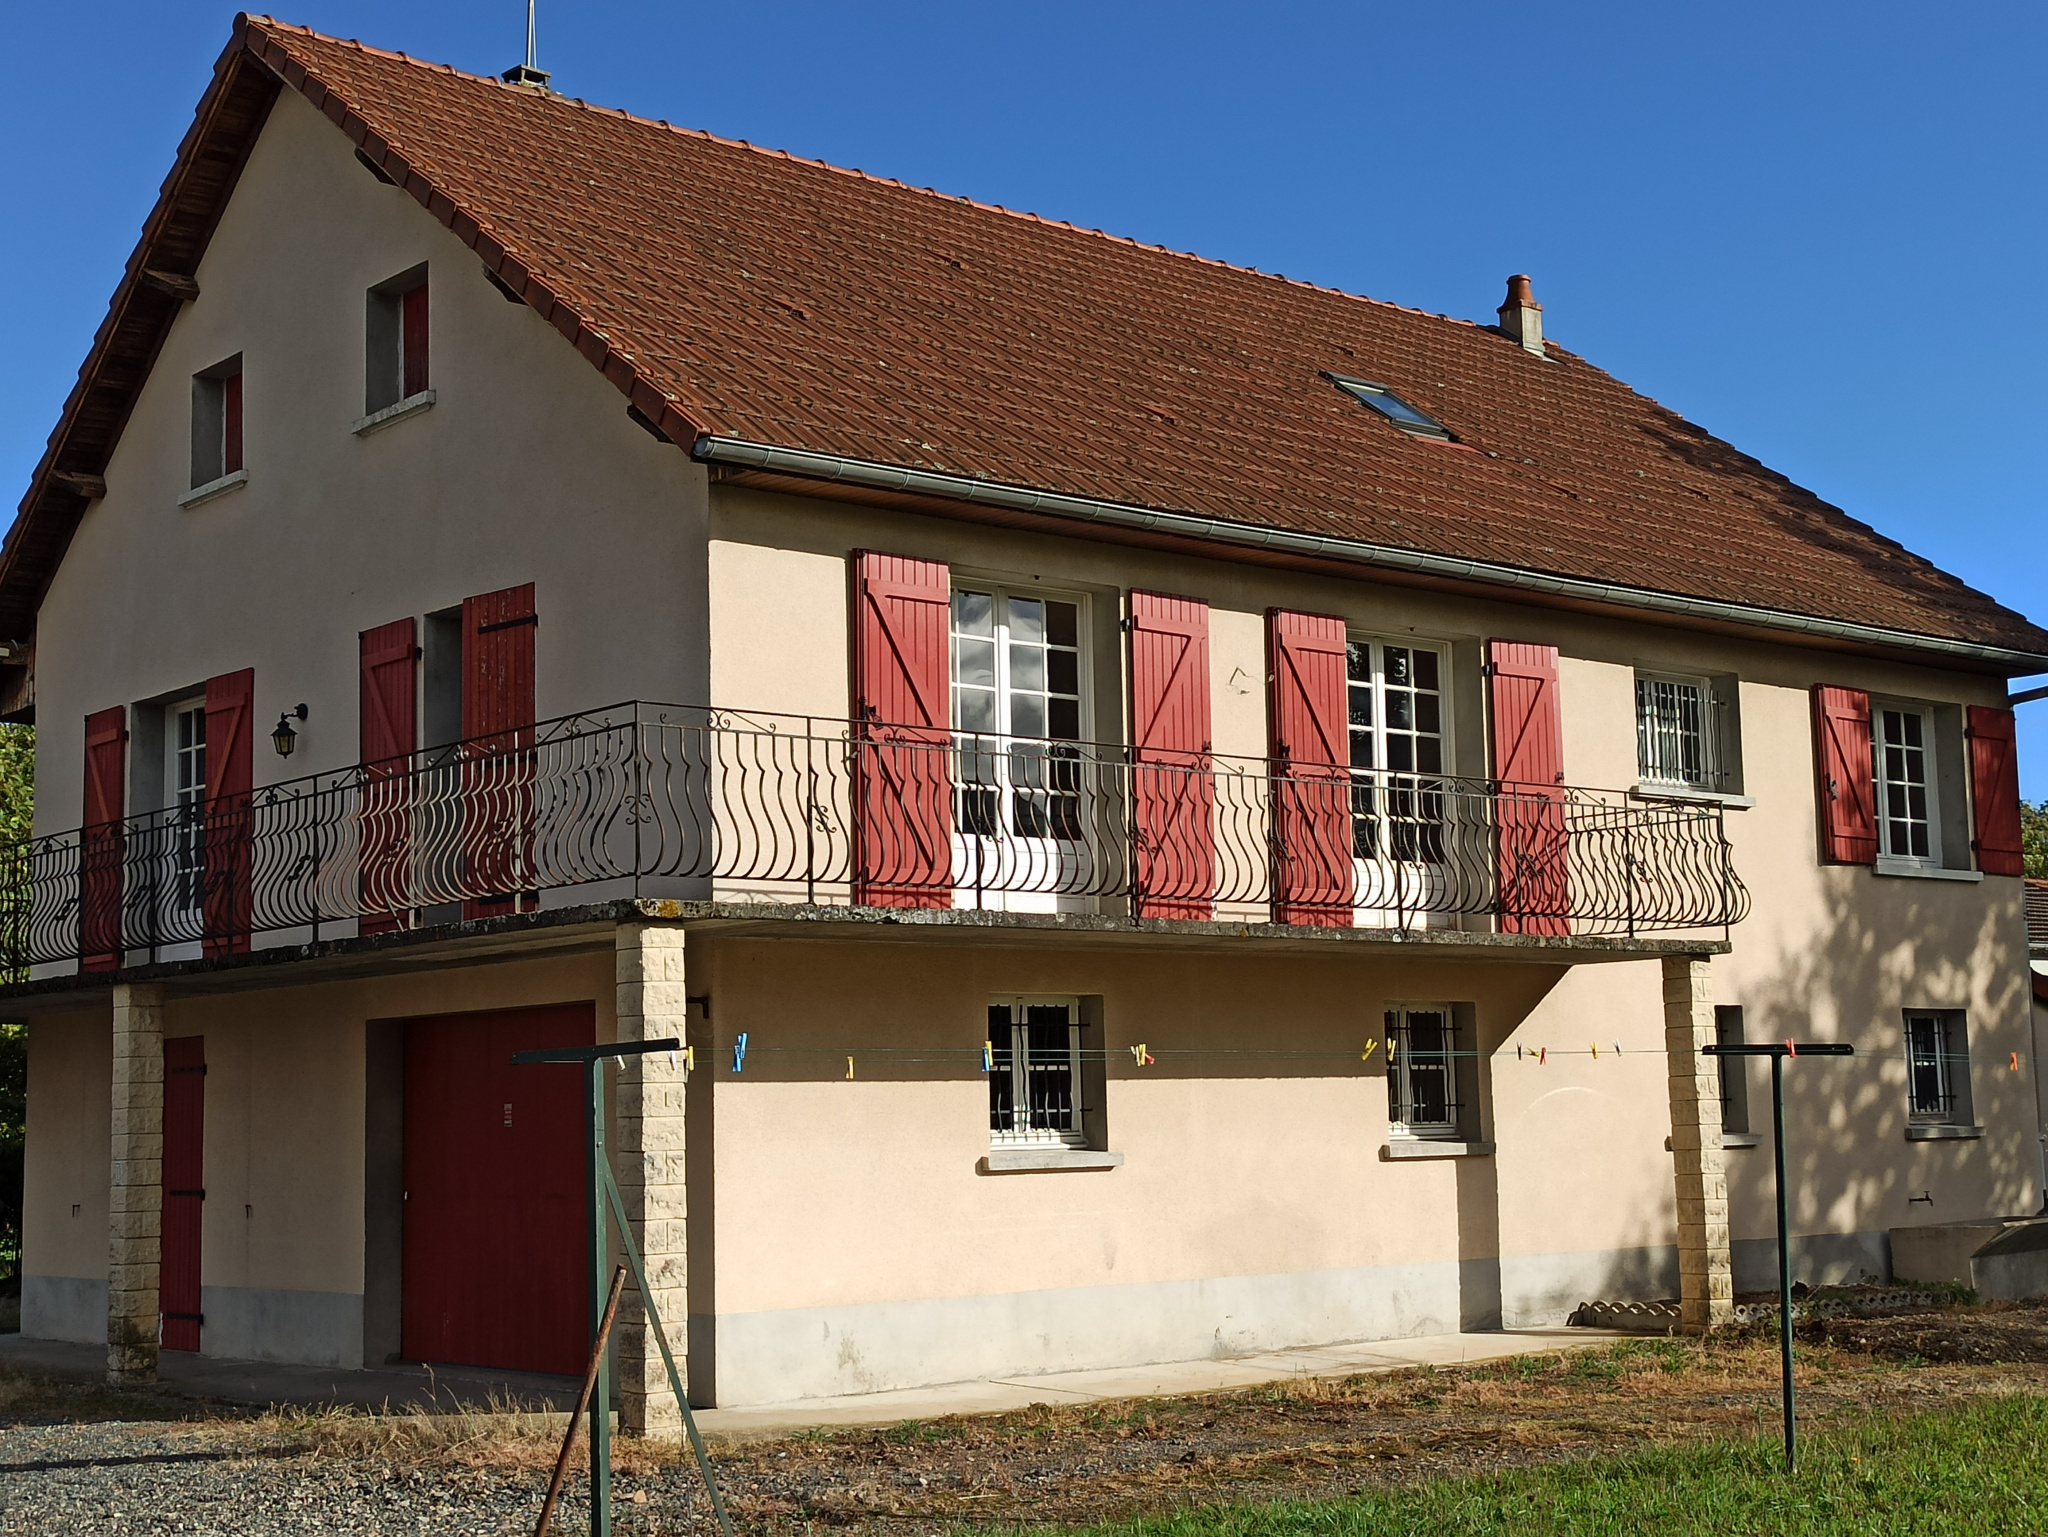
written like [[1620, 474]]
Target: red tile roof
[[744, 293]]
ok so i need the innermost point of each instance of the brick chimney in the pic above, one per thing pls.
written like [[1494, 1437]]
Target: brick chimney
[[1521, 317]]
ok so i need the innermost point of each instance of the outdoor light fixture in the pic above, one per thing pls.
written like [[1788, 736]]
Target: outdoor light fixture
[[284, 739]]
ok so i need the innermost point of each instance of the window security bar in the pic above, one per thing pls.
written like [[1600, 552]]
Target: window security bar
[[678, 801]]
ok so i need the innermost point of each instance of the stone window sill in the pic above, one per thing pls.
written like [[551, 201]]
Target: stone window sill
[[1913, 870], [1429, 1147], [397, 411], [213, 488], [1656, 792], [1742, 1139], [1943, 1133], [1046, 1160]]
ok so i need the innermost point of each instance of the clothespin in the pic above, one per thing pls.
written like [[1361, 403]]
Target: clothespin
[[1518, 1051], [1140, 1055], [1596, 1051], [1370, 1046], [1617, 1048], [689, 1059], [849, 1070], [1791, 1047], [1542, 1055], [988, 1056], [2015, 1061], [739, 1053]]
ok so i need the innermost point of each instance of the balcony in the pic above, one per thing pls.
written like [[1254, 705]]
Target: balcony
[[657, 801]]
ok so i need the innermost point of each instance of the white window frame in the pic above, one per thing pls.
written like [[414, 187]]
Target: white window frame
[[1938, 1044], [1402, 1067], [1884, 782], [185, 800], [1657, 746], [1012, 1059], [1403, 877]]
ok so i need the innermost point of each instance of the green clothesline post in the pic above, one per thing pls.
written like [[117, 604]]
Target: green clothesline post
[[1778, 1053]]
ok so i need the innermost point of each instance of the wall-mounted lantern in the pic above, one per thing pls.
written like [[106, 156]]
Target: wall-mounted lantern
[[284, 739]]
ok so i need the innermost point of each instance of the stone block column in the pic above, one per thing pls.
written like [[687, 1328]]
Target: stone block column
[[1706, 1286], [648, 1159], [135, 1201]]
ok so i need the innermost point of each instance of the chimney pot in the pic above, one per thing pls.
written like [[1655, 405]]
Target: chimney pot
[[1521, 317]]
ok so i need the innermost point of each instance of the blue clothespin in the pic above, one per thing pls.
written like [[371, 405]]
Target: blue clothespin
[[739, 1052], [988, 1056]]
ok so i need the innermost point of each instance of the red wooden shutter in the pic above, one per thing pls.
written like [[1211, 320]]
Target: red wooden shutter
[[184, 1176], [102, 843], [231, 423], [413, 330], [1528, 763], [903, 845], [230, 783], [386, 723], [497, 755], [1173, 791], [1846, 775], [1312, 874], [1995, 791]]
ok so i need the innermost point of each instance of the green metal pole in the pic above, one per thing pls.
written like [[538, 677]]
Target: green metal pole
[[601, 1399], [1784, 1259]]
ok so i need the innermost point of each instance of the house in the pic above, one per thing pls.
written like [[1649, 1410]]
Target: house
[[1177, 811]]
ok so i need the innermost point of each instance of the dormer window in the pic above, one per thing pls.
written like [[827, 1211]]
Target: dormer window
[[1392, 407]]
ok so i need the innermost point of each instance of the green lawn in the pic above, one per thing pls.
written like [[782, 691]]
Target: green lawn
[[1980, 1470]]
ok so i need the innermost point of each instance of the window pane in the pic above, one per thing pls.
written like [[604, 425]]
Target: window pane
[[1063, 624], [976, 667], [1426, 670], [1065, 719], [1358, 661], [1027, 667], [974, 613], [1027, 715], [1063, 672], [977, 710], [1027, 620]]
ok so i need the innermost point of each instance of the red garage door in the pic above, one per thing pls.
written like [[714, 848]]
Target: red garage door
[[495, 1218]]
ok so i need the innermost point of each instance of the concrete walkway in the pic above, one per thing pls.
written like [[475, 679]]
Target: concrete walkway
[[405, 1387]]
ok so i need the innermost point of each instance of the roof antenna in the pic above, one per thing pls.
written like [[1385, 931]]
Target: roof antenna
[[529, 73]]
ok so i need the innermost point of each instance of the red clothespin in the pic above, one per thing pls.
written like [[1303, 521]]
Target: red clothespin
[[1792, 1047], [2015, 1061], [1542, 1055]]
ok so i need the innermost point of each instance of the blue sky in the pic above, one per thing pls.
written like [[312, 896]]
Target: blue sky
[[1818, 230]]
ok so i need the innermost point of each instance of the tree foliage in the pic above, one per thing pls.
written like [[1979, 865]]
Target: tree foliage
[[17, 813], [2034, 837]]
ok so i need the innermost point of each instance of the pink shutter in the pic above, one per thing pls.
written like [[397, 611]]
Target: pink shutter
[[497, 753], [386, 715], [102, 844], [1312, 874], [413, 338], [1528, 763], [231, 423], [903, 845], [184, 1189], [1995, 791], [1173, 791], [230, 784], [1846, 775]]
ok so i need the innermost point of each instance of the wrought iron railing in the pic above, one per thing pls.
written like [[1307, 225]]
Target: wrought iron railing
[[655, 800]]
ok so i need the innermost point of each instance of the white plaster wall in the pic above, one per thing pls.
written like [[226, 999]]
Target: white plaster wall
[[525, 470]]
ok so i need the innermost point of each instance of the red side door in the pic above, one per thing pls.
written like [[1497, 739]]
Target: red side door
[[1995, 791], [1846, 776], [387, 714], [497, 755], [903, 820], [184, 1189], [101, 843], [1528, 763], [1173, 793], [496, 1197], [227, 909], [1312, 873]]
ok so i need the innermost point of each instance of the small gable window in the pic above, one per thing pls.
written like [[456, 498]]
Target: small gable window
[[1392, 407], [395, 341], [217, 422]]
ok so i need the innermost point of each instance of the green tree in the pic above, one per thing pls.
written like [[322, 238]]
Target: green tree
[[17, 814], [2034, 837]]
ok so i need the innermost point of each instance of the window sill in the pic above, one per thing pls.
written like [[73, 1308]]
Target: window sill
[[1945, 1132], [1742, 1139], [1428, 1147], [1914, 870], [213, 488], [1657, 792], [397, 411], [1046, 1160]]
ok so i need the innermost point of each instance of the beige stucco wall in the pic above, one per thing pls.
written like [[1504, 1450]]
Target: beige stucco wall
[[526, 469]]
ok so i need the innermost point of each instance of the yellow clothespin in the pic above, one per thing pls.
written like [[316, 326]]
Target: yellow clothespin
[[689, 1059], [1366, 1055], [988, 1056], [1596, 1051], [1140, 1055], [849, 1069]]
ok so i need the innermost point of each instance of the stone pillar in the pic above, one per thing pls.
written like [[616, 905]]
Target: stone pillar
[[135, 1198], [1706, 1287], [648, 1158]]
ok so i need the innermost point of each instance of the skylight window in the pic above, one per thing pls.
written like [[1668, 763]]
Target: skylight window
[[1392, 407]]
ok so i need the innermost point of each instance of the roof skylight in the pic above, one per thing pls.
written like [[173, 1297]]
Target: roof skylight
[[1392, 407]]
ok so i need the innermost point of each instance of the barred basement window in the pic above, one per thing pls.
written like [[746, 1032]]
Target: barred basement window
[[1937, 1066], [1422, 1072], [1734, 1081], [1035, 1078], [1678, 732]]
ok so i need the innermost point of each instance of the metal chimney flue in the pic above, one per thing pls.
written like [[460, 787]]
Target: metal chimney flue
[[529, 73], [1521, 317]]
